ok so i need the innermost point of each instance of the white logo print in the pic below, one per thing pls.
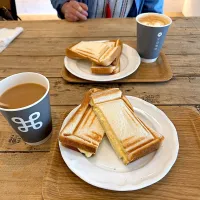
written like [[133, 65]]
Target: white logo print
[[25, 125], [160, 34]]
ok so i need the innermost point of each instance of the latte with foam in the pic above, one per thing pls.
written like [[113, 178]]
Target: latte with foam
[[152, 20]]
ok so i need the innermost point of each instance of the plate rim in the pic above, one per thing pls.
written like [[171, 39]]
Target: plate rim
[[109, 76], [144, 183]]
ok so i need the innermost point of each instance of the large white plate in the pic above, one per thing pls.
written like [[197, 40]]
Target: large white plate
[[106, 171], [129, 63]]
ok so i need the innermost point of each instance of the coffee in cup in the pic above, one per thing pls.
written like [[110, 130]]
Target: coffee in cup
[[152, 29], [22, 95], [153, 20], [28, 112]]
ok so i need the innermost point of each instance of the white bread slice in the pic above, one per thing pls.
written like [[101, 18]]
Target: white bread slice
[[83, 132], [92, 49], [129, 136]]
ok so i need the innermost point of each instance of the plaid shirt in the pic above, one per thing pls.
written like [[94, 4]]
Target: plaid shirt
[[119, 8]]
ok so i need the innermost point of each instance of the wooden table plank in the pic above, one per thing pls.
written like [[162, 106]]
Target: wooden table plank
[[168, 93], [178, 91], [11, 142], [44, 46], [50, 66], [184, 65], [105, 28], [196, 22], [21, 175], [174, 45]]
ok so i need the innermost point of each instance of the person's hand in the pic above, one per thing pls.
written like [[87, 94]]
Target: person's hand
[[75, 11]]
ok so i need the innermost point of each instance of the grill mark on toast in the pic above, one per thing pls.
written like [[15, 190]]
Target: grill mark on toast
[[92, 121], [129, 141], [65, 134], [78, 125], [94, 136], [141, 145], [88, 113], [86, 140]]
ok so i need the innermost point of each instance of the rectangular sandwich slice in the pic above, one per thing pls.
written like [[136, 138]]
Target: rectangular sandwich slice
[[129, 136], [83, 132], [101, 53]]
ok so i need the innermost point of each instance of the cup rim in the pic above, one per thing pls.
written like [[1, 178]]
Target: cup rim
[[33, 104], [156, 14]]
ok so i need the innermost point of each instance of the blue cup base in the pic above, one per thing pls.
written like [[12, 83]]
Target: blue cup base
[[148, 60], [40, 142]]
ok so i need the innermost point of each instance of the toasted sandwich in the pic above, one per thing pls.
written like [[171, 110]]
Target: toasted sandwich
[[101, 53], [83, 132], [129, 136], [113, 68]]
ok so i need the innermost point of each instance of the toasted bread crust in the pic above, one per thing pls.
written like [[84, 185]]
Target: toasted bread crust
[[88, 141], [127, 102], [117, 64], [105, 95], [81, 144], [144, 150], [71, 54], [103, 70], [77, 116]]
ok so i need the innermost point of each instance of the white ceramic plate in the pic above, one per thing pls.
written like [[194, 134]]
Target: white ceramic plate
[[129, 63], [106, 171]]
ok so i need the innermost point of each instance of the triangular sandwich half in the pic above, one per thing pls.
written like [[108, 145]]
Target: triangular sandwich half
[[101, 53]]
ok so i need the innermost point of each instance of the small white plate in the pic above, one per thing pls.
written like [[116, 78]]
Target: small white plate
[[129, 63], [106, 171]]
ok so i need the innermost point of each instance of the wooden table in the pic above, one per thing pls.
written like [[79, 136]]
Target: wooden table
[[41, 48]]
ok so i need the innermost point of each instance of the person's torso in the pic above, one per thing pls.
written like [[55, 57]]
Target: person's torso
[[118, 8]]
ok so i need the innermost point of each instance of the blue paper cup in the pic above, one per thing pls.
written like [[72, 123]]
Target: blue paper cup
[[33, 123], [150, 39]]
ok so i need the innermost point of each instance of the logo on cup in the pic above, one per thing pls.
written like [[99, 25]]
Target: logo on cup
[[25, 125], [160, 34]]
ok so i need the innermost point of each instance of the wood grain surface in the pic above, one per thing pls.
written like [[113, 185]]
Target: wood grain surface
[[182, 45], [41, 48], [105, 28], [182, 182], [168, 93], [21, 175]]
